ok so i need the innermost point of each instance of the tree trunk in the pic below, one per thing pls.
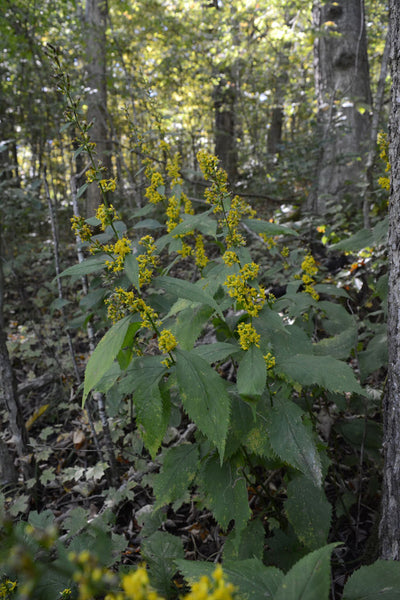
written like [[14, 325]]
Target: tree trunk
[[96, 22], [343, 93], [390, 518], [224, 133]]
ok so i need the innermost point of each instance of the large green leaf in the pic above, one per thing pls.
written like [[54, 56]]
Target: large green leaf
[[379, 580], [356, 242], [204, 397], [338, 346], [252, 373], [250, 545], [131, 268], [201, 222], [325, 371], [152, 414], [104, 355], [309, 512], [309, 579], [225, 493], [292, 440], [89, 265], [141, 373], [216, 352], [189, 324], [185, 289], [178, 471]]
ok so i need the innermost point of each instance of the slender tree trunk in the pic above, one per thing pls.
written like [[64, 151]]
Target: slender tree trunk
[[96, 22], [224, 133], [390, 519], [344, 95]]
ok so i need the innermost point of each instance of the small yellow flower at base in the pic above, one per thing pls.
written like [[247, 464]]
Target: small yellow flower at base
[[269, 360]]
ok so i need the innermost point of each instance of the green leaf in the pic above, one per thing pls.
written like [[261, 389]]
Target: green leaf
[[309, 579], [160, 550], [178, 471], [362, 239], [250, 544], [292, 441], [104, 355], [141, 372], [148, 224], [152, 414], [268, 228], [379, 580], [216, 352], [89, 265], [252, 373], [204, 397], [82, 189], [184, 289], [131, 268], [325, 371], [254, 580], [338, 346], [309, 512], [225, 493], [189, 324], [202, 222]]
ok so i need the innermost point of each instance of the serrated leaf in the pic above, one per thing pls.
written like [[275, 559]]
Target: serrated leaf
[[252, 373], [77, 519], [338, 346], [140, 373], [292, 441], [41, 520], [152, 413], [309, 512], [185, 289], [250, 545], [204, 397], [178, 471], [104, 355], [160, 550], [87, 266], [379, 580], [225, 493], [309, 579], [325, 371]]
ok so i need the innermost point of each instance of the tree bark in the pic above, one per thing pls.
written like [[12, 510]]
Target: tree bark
[[96, 22], [343, 94], [390, 518]]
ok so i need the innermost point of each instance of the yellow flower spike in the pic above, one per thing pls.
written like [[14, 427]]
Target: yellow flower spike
[[269, 360], [106, 215], [230, 258], [200, 259], [166, 341], [248, 336], [152, 193]]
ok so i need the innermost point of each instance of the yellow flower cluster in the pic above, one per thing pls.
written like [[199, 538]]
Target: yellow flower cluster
[[136, 586], [173, 169], [239, 208], [166, 341], [309, 268], [122, 302], [152, 193], [7, 587], [230, 258], [212, 589], [269, 360], [173, 213], [249, 298], [89, 576], [218, 190], [200, 257], [120, 249], [108, 185], [90, 175], [106, 214], [285, 252], [248, 336], [81, 229], [148, 261]]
